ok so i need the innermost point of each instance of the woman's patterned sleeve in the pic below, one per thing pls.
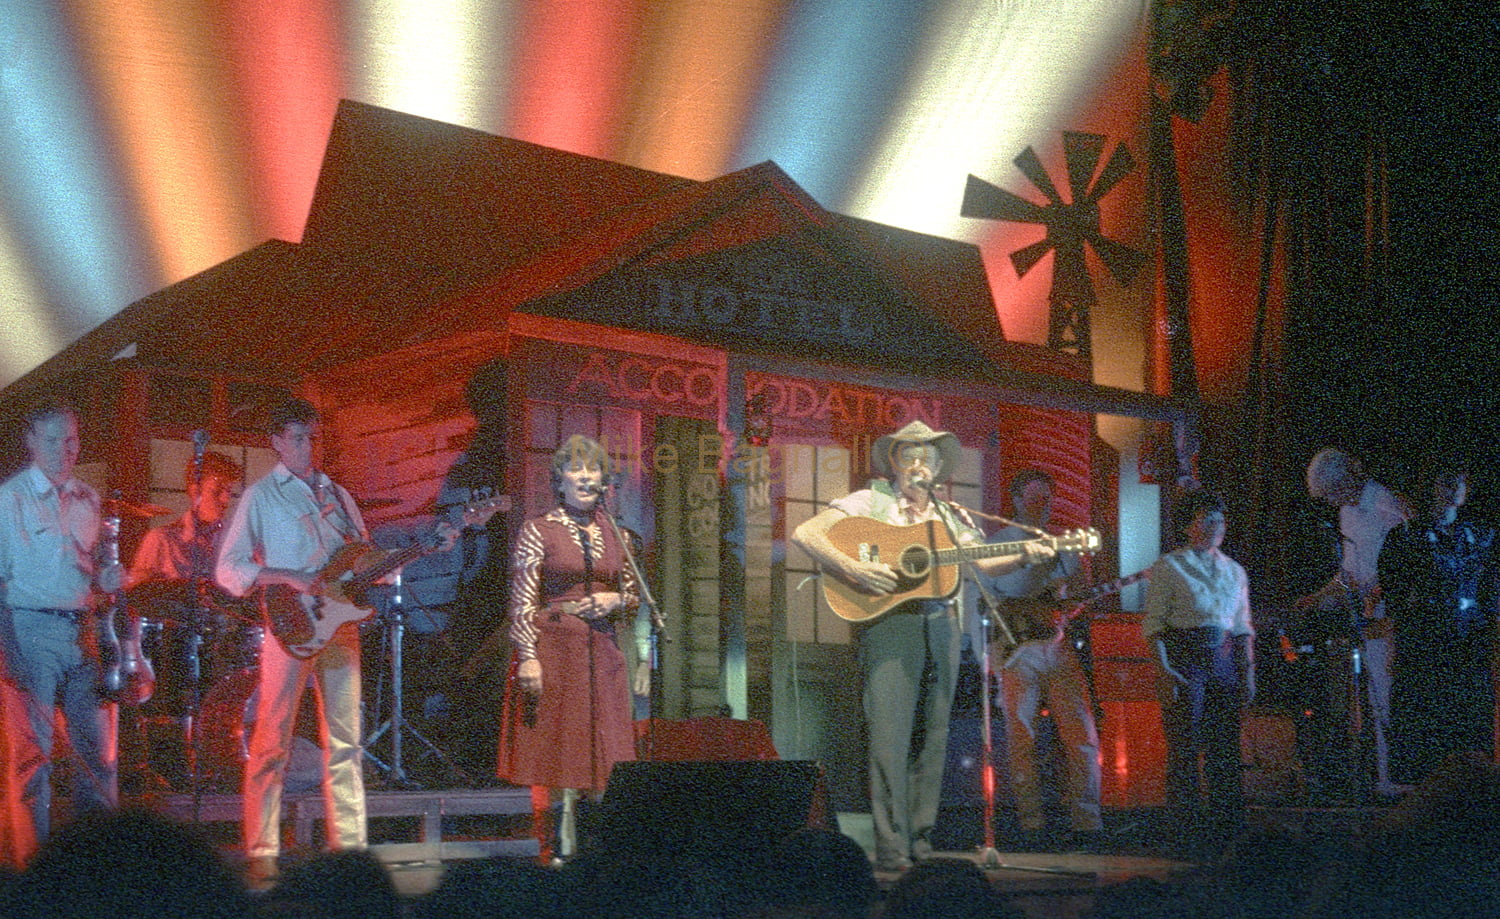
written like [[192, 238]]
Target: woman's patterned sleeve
[[525, 590]]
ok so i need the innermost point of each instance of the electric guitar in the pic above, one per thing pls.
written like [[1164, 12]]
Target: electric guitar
[[303, 624], [925, 559], [1073, 606], [1046, 618]]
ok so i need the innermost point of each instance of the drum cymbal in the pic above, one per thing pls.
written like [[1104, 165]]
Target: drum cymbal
[[121, 506], [173, 600]]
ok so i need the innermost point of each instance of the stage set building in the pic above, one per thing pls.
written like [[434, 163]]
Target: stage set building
[[459, 296]]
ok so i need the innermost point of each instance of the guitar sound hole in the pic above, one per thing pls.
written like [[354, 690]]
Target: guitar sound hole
[[916, 561]]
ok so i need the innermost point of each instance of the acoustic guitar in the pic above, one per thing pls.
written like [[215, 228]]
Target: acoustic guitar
[[925, 559], [304, 624]]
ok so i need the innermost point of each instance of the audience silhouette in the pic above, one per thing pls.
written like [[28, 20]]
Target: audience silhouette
[[1437, 853]]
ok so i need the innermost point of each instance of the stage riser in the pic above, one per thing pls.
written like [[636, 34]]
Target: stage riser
[[430, 808]]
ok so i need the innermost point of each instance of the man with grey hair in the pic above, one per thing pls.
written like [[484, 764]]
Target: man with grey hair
[[1367, 512]]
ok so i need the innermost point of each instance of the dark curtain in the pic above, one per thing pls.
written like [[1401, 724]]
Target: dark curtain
[[1364, 139]]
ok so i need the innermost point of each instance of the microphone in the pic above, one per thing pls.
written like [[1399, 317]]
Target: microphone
[[596, 488], [200, 443]]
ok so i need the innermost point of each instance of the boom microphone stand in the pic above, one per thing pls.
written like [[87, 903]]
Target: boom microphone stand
[[1358, 771], [989, 856]]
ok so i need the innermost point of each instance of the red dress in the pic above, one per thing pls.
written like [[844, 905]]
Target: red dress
[[581, 724]]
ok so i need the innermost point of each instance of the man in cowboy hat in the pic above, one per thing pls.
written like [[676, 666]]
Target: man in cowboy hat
[[910, 654]]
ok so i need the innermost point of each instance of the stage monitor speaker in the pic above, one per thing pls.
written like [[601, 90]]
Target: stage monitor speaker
[[742, 806]]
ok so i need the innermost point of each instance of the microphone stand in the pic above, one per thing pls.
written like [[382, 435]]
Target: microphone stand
[[989, 856], [658, 635], [197, 616]]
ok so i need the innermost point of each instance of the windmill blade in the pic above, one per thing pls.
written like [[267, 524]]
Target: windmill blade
[[1025, 259], [1120, 164], [1081, 152], [1122, 261], [1031, 167], [981, 199]]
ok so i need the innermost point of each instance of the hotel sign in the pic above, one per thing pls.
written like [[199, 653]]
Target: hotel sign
[[678, 303]]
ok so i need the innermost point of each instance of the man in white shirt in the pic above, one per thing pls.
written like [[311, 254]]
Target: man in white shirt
[[1367, 512], [285, 528], [910, 653], [49, 533]]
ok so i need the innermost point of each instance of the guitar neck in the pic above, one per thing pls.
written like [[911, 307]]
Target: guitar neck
[[1100, 591], [985, 550], [398, 558], [473, 514]]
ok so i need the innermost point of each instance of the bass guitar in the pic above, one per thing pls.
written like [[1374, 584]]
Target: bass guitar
[[925, 559], [303, 624]]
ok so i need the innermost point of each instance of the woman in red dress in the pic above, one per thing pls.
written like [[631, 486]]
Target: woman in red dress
[[566, 718]]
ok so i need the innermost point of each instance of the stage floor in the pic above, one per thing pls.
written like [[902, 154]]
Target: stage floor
[[416, 833]]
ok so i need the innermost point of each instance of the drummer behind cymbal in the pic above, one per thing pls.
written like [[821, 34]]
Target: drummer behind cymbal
[[184, 550]]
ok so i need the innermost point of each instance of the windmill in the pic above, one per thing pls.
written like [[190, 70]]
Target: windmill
[[1069, 226]]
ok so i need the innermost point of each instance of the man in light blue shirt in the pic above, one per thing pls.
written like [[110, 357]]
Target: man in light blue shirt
[[49, 533]]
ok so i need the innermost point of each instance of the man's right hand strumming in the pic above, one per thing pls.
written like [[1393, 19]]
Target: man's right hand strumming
[[873, 577]]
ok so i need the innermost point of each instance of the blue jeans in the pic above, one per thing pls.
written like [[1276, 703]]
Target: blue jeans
[[49, 662]]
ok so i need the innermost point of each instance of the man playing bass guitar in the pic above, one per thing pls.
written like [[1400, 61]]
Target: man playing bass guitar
[[907, 714], [284, 529]]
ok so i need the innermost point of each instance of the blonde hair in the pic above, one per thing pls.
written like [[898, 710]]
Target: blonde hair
[[1331, 468], [577, 448]]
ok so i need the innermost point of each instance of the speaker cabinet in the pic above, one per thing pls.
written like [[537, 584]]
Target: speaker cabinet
[[736, 806]]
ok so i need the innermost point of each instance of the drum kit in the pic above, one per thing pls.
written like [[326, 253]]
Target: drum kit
[[207, 698]]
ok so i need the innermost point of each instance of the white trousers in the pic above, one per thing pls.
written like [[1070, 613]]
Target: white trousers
[[335, 678]]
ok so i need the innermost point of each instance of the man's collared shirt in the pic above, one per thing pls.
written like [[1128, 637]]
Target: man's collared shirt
[[282, 522], [1364, 526], [1191, 589], [47, 540]]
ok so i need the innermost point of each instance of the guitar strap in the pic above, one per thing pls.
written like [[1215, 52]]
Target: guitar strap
[[1080, 639], [344, 523]]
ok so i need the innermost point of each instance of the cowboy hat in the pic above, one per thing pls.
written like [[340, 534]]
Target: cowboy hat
[[916, 432]]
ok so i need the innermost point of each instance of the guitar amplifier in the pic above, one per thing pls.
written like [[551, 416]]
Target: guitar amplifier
[[1124, 680]]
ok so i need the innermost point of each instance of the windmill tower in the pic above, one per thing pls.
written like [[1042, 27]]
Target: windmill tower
[[1069, 225]]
